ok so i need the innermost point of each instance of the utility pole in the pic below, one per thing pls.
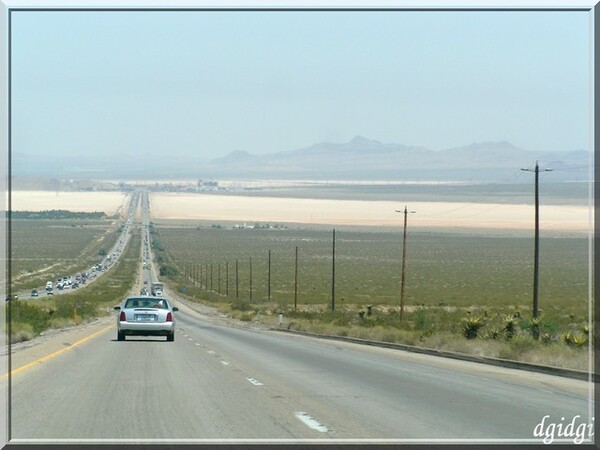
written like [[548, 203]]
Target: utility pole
[[219, 277], [296, 282], [403, 261], [237, 285], [227, 278], [333, 275], [536, 245], [269, 279], [250, 278]]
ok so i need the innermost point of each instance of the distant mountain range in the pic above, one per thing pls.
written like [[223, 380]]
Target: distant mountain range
[[363, 158], [358, 159]]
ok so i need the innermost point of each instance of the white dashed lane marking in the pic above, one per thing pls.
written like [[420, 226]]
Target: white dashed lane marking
[[311, 422], [225, 363], [210, 352], [254, 382]]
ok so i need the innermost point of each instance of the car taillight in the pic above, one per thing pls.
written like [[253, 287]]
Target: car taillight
[[169, 317], [122, 317]]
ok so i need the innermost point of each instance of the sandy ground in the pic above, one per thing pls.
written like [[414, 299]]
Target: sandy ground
[[244, 209], [107, 202], [367, 213]]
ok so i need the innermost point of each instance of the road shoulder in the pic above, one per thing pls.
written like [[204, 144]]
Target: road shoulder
[[52, 341]]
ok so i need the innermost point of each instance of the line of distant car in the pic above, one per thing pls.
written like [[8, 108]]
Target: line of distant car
[[67, 282]]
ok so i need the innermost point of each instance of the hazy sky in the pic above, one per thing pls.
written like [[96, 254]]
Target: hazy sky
[[215, 82]]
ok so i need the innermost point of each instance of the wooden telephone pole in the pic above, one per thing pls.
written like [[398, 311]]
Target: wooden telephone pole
[[333, 275], [403, 261], [536, 245]]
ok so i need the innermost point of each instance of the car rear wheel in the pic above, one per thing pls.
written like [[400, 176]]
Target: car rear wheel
[[171, 336], [120, 336]]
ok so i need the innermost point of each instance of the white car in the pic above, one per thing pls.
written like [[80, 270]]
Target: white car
[[146, 316]]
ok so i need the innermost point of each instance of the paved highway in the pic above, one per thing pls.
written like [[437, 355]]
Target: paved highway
[[107, 262], [218, 382]]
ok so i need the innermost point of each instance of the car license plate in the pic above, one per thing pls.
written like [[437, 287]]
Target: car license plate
[[145, 317]]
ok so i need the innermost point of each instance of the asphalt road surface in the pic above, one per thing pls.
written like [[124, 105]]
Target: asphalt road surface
[[217, 382]]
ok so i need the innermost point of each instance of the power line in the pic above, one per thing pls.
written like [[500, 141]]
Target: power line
[[485, 195]]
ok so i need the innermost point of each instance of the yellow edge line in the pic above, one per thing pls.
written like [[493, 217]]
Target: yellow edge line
[[56, 353]]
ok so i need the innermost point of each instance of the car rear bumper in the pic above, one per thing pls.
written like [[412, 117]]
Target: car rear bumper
[[146, 328]]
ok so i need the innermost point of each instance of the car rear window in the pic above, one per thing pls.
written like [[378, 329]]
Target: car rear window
[[146, 302]]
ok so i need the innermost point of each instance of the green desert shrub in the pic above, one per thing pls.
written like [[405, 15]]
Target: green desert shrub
[[574, 340], [510, 326], [470, 326], [25, 313]]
